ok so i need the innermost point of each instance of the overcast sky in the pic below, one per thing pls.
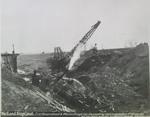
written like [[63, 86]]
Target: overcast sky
[[40, 25]]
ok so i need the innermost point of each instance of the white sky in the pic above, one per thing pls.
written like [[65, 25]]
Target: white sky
[[40, 25]]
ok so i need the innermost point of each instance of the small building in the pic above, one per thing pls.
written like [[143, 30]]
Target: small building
[[9, 60]]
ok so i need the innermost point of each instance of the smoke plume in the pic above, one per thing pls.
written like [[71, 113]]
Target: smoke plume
[[76, 55]]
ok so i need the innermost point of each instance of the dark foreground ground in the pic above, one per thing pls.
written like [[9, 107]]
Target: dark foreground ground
[[107, 81]]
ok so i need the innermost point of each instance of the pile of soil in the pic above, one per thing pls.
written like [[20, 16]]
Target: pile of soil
[[20, 96], [118, 78]]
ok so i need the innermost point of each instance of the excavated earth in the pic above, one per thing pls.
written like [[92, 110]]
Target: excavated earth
[[20, 96], [117, 78], [113, 80]]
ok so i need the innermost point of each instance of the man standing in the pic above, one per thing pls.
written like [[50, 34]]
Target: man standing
[[35, 79]]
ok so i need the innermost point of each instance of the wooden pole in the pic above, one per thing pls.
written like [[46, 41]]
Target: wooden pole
[[148, 80], [13, 49]]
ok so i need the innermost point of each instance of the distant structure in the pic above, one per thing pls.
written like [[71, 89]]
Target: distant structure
[[58, 53], [9, 60]]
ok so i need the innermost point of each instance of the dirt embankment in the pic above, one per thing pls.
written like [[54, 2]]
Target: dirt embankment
[[114, 80], [20, 96], [117, 78]]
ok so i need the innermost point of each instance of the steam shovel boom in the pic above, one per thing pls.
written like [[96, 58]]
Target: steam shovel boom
[[86, 36]]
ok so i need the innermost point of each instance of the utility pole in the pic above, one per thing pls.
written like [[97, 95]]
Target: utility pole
[[149, 88], [13, 49]]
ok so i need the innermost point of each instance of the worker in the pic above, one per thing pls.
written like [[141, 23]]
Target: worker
[[95, 49], [35, 79]]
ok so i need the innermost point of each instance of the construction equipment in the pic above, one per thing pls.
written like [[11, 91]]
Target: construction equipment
[[61, 61], [58, 53], [9, 60], [77, 50]]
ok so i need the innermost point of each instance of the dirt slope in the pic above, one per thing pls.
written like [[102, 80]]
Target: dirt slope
[[118, 78], [17, 95]]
